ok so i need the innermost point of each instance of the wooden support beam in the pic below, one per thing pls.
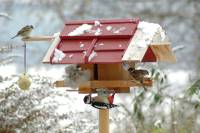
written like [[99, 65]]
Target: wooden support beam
[[59, 83], [163, 52], [103, 121], [38, 38], [119, 86], [55, 42]]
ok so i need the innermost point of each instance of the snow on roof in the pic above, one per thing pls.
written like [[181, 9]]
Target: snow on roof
[[110, 41], [146, 34], [81, 30], [58, 55]]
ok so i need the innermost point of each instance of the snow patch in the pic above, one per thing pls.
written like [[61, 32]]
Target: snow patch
[[84, 53], [142, 44], [4, 70], [101, 44], [58, 55], [71, 55], [84, 28], [98, 32], [117, 31], [92, 55], [82, 45], [109, 28], [97, 23], [149, 30], [178, 77]]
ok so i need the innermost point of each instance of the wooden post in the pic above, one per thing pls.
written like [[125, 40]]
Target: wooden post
[[103, 121]]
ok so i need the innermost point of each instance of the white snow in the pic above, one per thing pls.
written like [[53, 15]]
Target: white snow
[[4, 70], [142, 44], [58, 55], [180, 77], [149, 30], [117, 31], [101, 44], [84, 28], [145, 34], [97, 23], [71, 55], [120, 45], [109, 28], [157, 123], [56, 34], [92, 55], [98, 32], [84, 53], [82, 45]]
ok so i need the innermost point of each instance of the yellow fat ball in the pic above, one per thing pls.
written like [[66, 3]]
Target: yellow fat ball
[[24, 82]]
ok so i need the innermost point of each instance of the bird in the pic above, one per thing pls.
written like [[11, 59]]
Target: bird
[[24, 32], [100, 102], [138, 75]]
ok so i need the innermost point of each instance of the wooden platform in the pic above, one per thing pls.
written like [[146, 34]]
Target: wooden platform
[[119, 86]]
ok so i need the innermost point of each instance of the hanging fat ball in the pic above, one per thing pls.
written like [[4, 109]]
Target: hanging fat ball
[[24, 82], [138, 75], [24, 32]]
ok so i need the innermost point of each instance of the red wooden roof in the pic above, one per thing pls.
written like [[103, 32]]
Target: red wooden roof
[[105, 42]]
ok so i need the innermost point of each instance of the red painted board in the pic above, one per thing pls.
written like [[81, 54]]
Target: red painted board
[[107, 57], [74, 45], [124, 29], [149, 56], [106, 21], [111, 44], [72, 58]]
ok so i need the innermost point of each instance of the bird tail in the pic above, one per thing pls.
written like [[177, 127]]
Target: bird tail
[[14, 36]]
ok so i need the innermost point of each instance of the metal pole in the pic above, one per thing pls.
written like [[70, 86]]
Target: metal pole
[[24, 57], [103, 121]]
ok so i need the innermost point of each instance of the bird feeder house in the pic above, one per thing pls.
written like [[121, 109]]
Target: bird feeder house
[[103, 47]]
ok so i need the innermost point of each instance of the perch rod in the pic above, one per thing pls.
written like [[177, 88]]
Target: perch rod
[[38, 38], [71, 90]]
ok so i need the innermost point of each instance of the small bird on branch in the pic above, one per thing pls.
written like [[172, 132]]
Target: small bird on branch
[[24, 32], [138, 75]]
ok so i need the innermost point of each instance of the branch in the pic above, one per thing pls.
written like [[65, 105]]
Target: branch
[[5, 15]]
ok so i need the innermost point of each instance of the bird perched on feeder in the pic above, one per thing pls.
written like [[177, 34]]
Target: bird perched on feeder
[[100, 102], [24, 32], [75, 75], [138, 75]]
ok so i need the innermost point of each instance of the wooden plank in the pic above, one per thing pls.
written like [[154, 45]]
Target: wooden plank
[[104, 84], [38, 38], [163, 52], [117, 83], [134, 52], [119, 86], [160, 43], [103, 121], [90, 68], [55, 42], [59, 83], [87, 90], [112, 72]]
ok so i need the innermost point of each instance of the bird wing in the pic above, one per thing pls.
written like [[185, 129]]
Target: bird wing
[[23, 30]]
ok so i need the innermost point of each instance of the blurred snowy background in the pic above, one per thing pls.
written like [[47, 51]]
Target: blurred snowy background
[[65, 112]]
